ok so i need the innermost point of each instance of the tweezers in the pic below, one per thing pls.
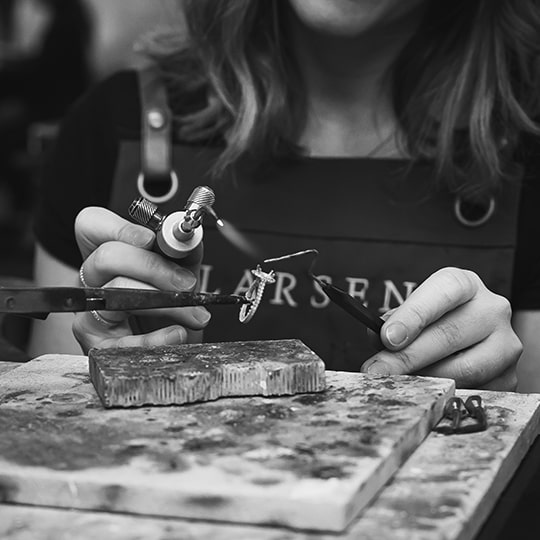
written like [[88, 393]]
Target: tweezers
[[345, 301], [39, 302], [351, 305]]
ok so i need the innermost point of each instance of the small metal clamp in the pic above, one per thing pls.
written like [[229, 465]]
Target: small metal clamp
[[467, 416]]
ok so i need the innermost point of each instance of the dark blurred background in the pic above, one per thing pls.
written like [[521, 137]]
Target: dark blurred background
[[51, 52]]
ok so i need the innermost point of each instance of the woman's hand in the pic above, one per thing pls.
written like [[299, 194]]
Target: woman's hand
[[451, 326], [118, 253]]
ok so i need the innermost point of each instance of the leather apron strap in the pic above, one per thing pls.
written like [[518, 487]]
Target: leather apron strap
[[157, 181]]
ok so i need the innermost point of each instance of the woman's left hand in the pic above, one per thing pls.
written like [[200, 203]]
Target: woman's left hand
[[451, 326]]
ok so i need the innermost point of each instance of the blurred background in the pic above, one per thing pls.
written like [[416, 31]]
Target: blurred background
[[51, 52]]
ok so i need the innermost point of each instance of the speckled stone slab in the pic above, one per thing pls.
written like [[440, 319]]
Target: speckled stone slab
[[311, 461], [132, 377], [444, 491], [8, 366]]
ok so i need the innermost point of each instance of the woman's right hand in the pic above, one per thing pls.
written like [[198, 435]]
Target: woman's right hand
[[118, 253]]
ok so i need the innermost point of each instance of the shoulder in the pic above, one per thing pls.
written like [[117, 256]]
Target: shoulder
[[113, 102], [117, 87], [90, 133], [79, 166]]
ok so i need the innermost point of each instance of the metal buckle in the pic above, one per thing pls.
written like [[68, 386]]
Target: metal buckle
[[161, 198]]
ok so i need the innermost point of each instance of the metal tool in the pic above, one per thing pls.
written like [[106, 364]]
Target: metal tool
[[353, 306], [475, 409], [467, 416], [38, 302], [455, 412], [178, 233]]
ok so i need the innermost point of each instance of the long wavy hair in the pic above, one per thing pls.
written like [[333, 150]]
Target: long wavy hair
[[475, 62]]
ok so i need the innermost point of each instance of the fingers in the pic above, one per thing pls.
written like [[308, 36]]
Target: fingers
[[114, 259], [441, 293], [193, 317], [490, 364], [506, 382], [452, 333], [117, 254], [95, 226], [451, 326], [374, 338], [90, 333], [171, 335]]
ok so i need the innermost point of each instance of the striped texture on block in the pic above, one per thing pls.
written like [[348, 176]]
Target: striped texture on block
[[132, 377]]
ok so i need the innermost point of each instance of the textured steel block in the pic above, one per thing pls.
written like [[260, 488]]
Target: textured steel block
[[173, 375]]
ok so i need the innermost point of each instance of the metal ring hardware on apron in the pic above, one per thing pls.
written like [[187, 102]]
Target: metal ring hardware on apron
[[486, 211]]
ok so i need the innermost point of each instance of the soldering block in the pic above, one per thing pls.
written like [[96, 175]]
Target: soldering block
[[174, 375]]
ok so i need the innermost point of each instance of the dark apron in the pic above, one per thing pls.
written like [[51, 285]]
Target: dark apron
[[380, 230]]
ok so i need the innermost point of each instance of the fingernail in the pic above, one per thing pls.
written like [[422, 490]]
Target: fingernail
[[201, 314], [378, 368], [365, 366], [396, 334], [184, 279], [174, 336]]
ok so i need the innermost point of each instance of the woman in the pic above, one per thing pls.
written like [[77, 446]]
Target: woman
[[384, 134]]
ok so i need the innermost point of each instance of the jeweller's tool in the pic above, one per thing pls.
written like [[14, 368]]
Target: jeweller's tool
[[178, 233], [351, 305], [467, 416], [473, 405], [38, 302], [455, 412]]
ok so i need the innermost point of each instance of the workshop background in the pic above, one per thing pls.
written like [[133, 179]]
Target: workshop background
[[52, 51]]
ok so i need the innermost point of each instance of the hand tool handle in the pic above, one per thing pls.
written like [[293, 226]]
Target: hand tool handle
[[352, 306]]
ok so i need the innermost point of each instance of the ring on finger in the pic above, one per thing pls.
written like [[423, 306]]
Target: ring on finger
[[97, 316], [103, 320], [81, 276]]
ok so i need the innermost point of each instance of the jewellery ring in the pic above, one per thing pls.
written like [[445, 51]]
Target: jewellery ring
[[99, 318]]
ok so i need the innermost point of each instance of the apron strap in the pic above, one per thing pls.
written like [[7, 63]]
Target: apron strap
[[157, 180]]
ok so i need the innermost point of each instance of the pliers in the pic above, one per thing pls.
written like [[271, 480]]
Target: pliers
[[39, 302]]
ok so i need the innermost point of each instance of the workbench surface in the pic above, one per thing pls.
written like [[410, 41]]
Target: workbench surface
[[446, 489]]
